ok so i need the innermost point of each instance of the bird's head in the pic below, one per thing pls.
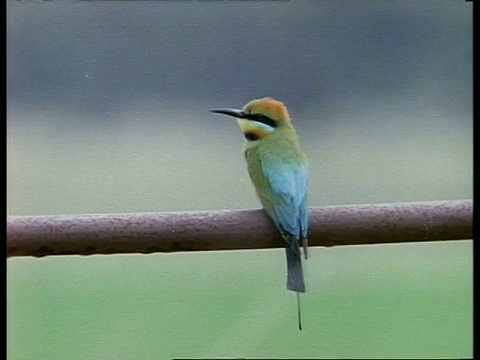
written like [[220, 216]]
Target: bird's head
[[259, 118]]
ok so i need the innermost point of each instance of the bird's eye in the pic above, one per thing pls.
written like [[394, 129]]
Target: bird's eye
[[259, 117], [263, 119], [251, 136]]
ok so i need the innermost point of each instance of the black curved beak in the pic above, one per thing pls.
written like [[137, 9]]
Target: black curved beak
[[230, 112]]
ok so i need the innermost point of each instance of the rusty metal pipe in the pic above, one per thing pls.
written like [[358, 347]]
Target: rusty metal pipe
[[235, 230]]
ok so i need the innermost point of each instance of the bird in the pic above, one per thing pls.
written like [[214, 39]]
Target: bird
[[278, 169]]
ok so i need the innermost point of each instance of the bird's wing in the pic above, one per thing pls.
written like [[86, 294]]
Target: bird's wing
[[289, 184]]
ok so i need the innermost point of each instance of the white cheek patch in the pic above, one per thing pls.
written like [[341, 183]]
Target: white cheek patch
[[254, 130], [262, 126]]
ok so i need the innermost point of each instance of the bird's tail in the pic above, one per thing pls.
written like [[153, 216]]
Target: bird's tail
[[295, 280]]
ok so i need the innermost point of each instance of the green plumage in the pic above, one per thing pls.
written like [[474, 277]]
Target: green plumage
[[277, 168]]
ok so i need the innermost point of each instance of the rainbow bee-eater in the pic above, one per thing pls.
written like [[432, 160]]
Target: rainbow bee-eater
[[278, 169]]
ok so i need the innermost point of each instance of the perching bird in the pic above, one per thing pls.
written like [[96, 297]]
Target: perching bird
[[278, 169]]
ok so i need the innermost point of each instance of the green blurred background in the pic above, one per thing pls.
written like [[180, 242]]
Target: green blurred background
[[108, 113]]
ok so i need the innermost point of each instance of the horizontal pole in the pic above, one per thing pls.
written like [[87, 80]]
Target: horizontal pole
[[235, 230]]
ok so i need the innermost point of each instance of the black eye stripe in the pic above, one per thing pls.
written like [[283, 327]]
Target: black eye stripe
[[261, 118]]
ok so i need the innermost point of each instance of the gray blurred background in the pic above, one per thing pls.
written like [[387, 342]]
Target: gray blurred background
[[108, 112], [108, 102]]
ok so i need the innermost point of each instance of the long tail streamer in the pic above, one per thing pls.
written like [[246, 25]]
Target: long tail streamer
[[299, 312]]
